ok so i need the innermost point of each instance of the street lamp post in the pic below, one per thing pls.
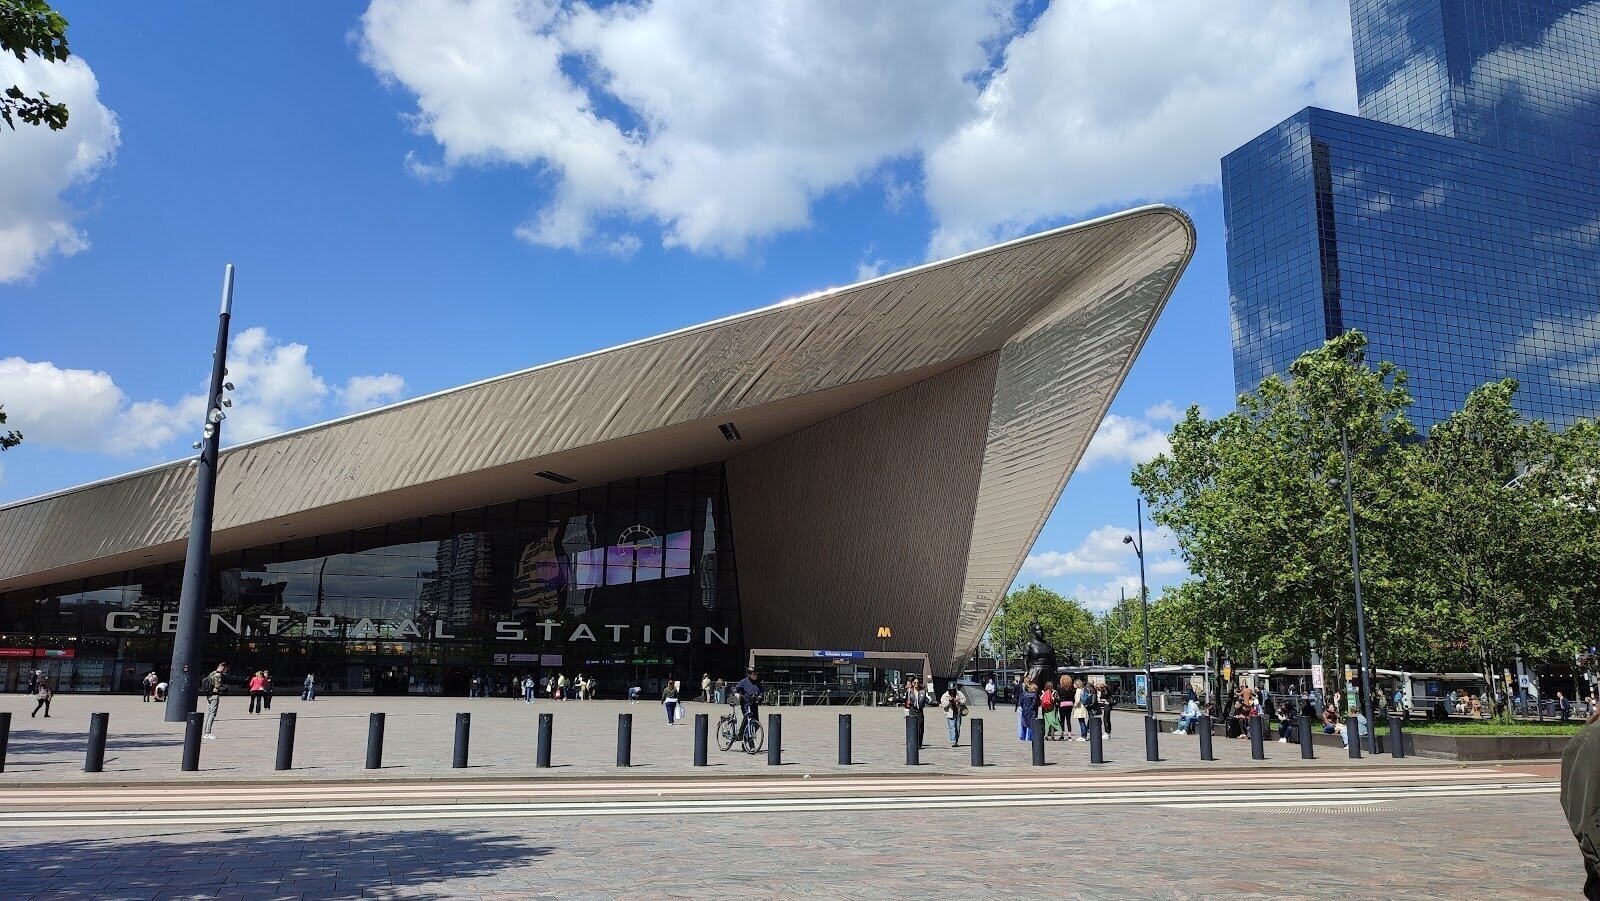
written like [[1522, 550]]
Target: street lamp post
[[1144, 611], [1361, 615], [184, 678]]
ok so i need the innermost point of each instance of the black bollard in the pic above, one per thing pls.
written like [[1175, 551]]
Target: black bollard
[[913, 750], [1397, 738], [1097, 752], [844, 739], [624, 739], [375, 741], [547, 725], [1203, 727], [1308, 750], [285, 742], [702, 730], [463, 740], [95, 760], [976, 737], [1352, 733], [5, 737], [1038, 742], [774, 739], [191, 741], [1258, 749], [1152, 739]]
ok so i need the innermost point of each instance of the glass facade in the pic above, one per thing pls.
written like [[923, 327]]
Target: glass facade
[[626, 583], [1456, 222]]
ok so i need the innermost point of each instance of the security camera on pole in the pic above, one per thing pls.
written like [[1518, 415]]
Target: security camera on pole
[[184, 679]]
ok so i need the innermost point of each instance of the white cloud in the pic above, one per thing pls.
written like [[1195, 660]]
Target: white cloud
[[37, 165], [1103, 552], [276, 388], [1112, 102], [1132, 440]]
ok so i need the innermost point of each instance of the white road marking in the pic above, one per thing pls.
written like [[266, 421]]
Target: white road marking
[[266, 816]]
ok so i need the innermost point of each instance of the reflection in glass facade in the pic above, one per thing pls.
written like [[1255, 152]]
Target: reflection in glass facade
[[1456, 222], [626, 583]]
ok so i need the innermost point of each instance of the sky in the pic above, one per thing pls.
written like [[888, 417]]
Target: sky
[[418, 194]]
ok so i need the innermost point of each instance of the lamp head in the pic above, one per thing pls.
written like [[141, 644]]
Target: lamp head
[[1127, 539]]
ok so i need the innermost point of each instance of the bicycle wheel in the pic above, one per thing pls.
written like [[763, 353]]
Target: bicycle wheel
[[725, 733], [752, 739]]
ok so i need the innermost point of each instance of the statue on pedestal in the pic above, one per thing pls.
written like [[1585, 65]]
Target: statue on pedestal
[[1039, 657]]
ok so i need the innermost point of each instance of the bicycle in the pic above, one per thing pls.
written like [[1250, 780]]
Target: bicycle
[[728, 733]]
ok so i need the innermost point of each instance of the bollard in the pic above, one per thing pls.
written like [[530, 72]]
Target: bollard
[[844, 739], [1258, 750], [624, 739], [375, 741], [913, 750], [1038, 742], [191, 741], [774, 739], [1152, 739], [5, 737], [1097, 753], [702, 729], [95, 760], [1397, 738], [547, 725], [1308, 750], [285, 742], [975, 736], [463, 740], [1352, 734], [1203, 726]]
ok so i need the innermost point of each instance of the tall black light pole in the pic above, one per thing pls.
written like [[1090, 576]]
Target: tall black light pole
[[184, 679], [1361, 614], [1144, 614]]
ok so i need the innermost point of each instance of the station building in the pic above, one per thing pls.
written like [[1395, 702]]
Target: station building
[[796, 477]]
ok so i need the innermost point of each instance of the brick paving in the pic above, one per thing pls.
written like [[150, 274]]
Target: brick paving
[[1489, 847], [331, 737]]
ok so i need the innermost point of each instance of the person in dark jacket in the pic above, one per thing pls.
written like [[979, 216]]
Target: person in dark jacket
[[1027, 711], [1580, 798]]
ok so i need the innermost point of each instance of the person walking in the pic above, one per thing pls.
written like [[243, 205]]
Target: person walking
[[1066, 700], [308, 688], [150, 680], [988, 692], [1016, 692], [954, 705], [669, 700], [916, 700], [1103, 695], [214, 688], [256, 682], [42, 694], [266, 689], [561, 687], [1580, 797], [1050, 708], [1080, 710], [1027, 711], [33, 682]]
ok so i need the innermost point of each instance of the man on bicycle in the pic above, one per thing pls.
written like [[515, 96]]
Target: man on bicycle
[[748, 692]]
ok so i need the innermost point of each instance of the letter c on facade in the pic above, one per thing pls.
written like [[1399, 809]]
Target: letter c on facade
[[112, 622]]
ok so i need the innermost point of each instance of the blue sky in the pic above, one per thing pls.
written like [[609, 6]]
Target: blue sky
[[421, 194]]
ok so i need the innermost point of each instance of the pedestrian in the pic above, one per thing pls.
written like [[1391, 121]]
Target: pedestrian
[[529, 688], [721, 692], [988, 691], [1103, 695], [1027, 711], [33, 682], [150, 680], [256, 682], [561, 687], [954, 705], [916, 704], [1563, 707], [161, 690], [1580, 797], [705, 687], [1050, 708], [266, 689], [475, 687], [669, 700], [308, 688], [1080, 710], [41, 691], [1016, 692], [214, 688]]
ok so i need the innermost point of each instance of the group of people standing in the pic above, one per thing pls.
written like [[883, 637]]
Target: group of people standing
[[953, 702], [1064, 709]]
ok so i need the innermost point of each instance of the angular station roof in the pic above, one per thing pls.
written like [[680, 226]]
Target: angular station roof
[[1065, 310]]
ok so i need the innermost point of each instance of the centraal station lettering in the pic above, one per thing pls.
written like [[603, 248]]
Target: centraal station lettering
[[504, 630]]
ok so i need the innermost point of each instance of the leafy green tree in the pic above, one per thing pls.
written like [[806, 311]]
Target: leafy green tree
[[1067, 624], [8, 440], [31, 26]]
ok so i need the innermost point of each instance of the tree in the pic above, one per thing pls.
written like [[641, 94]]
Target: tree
[[8, 440], [1067, 625], [31, 26]]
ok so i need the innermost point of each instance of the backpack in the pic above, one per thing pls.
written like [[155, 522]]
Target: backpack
[[1047, 699]]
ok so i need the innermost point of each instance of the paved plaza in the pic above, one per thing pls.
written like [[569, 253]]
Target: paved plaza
[[331, 737]]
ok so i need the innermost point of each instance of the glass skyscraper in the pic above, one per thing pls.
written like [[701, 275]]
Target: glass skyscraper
[[1456, 221]]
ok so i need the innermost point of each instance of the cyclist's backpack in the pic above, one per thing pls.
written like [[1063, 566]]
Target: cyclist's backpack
[[1047, 699]]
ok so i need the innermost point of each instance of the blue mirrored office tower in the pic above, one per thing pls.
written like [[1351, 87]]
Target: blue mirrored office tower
[[1456, 221]]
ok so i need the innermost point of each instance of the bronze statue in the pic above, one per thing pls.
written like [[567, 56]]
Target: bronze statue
[[1040, 658]]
